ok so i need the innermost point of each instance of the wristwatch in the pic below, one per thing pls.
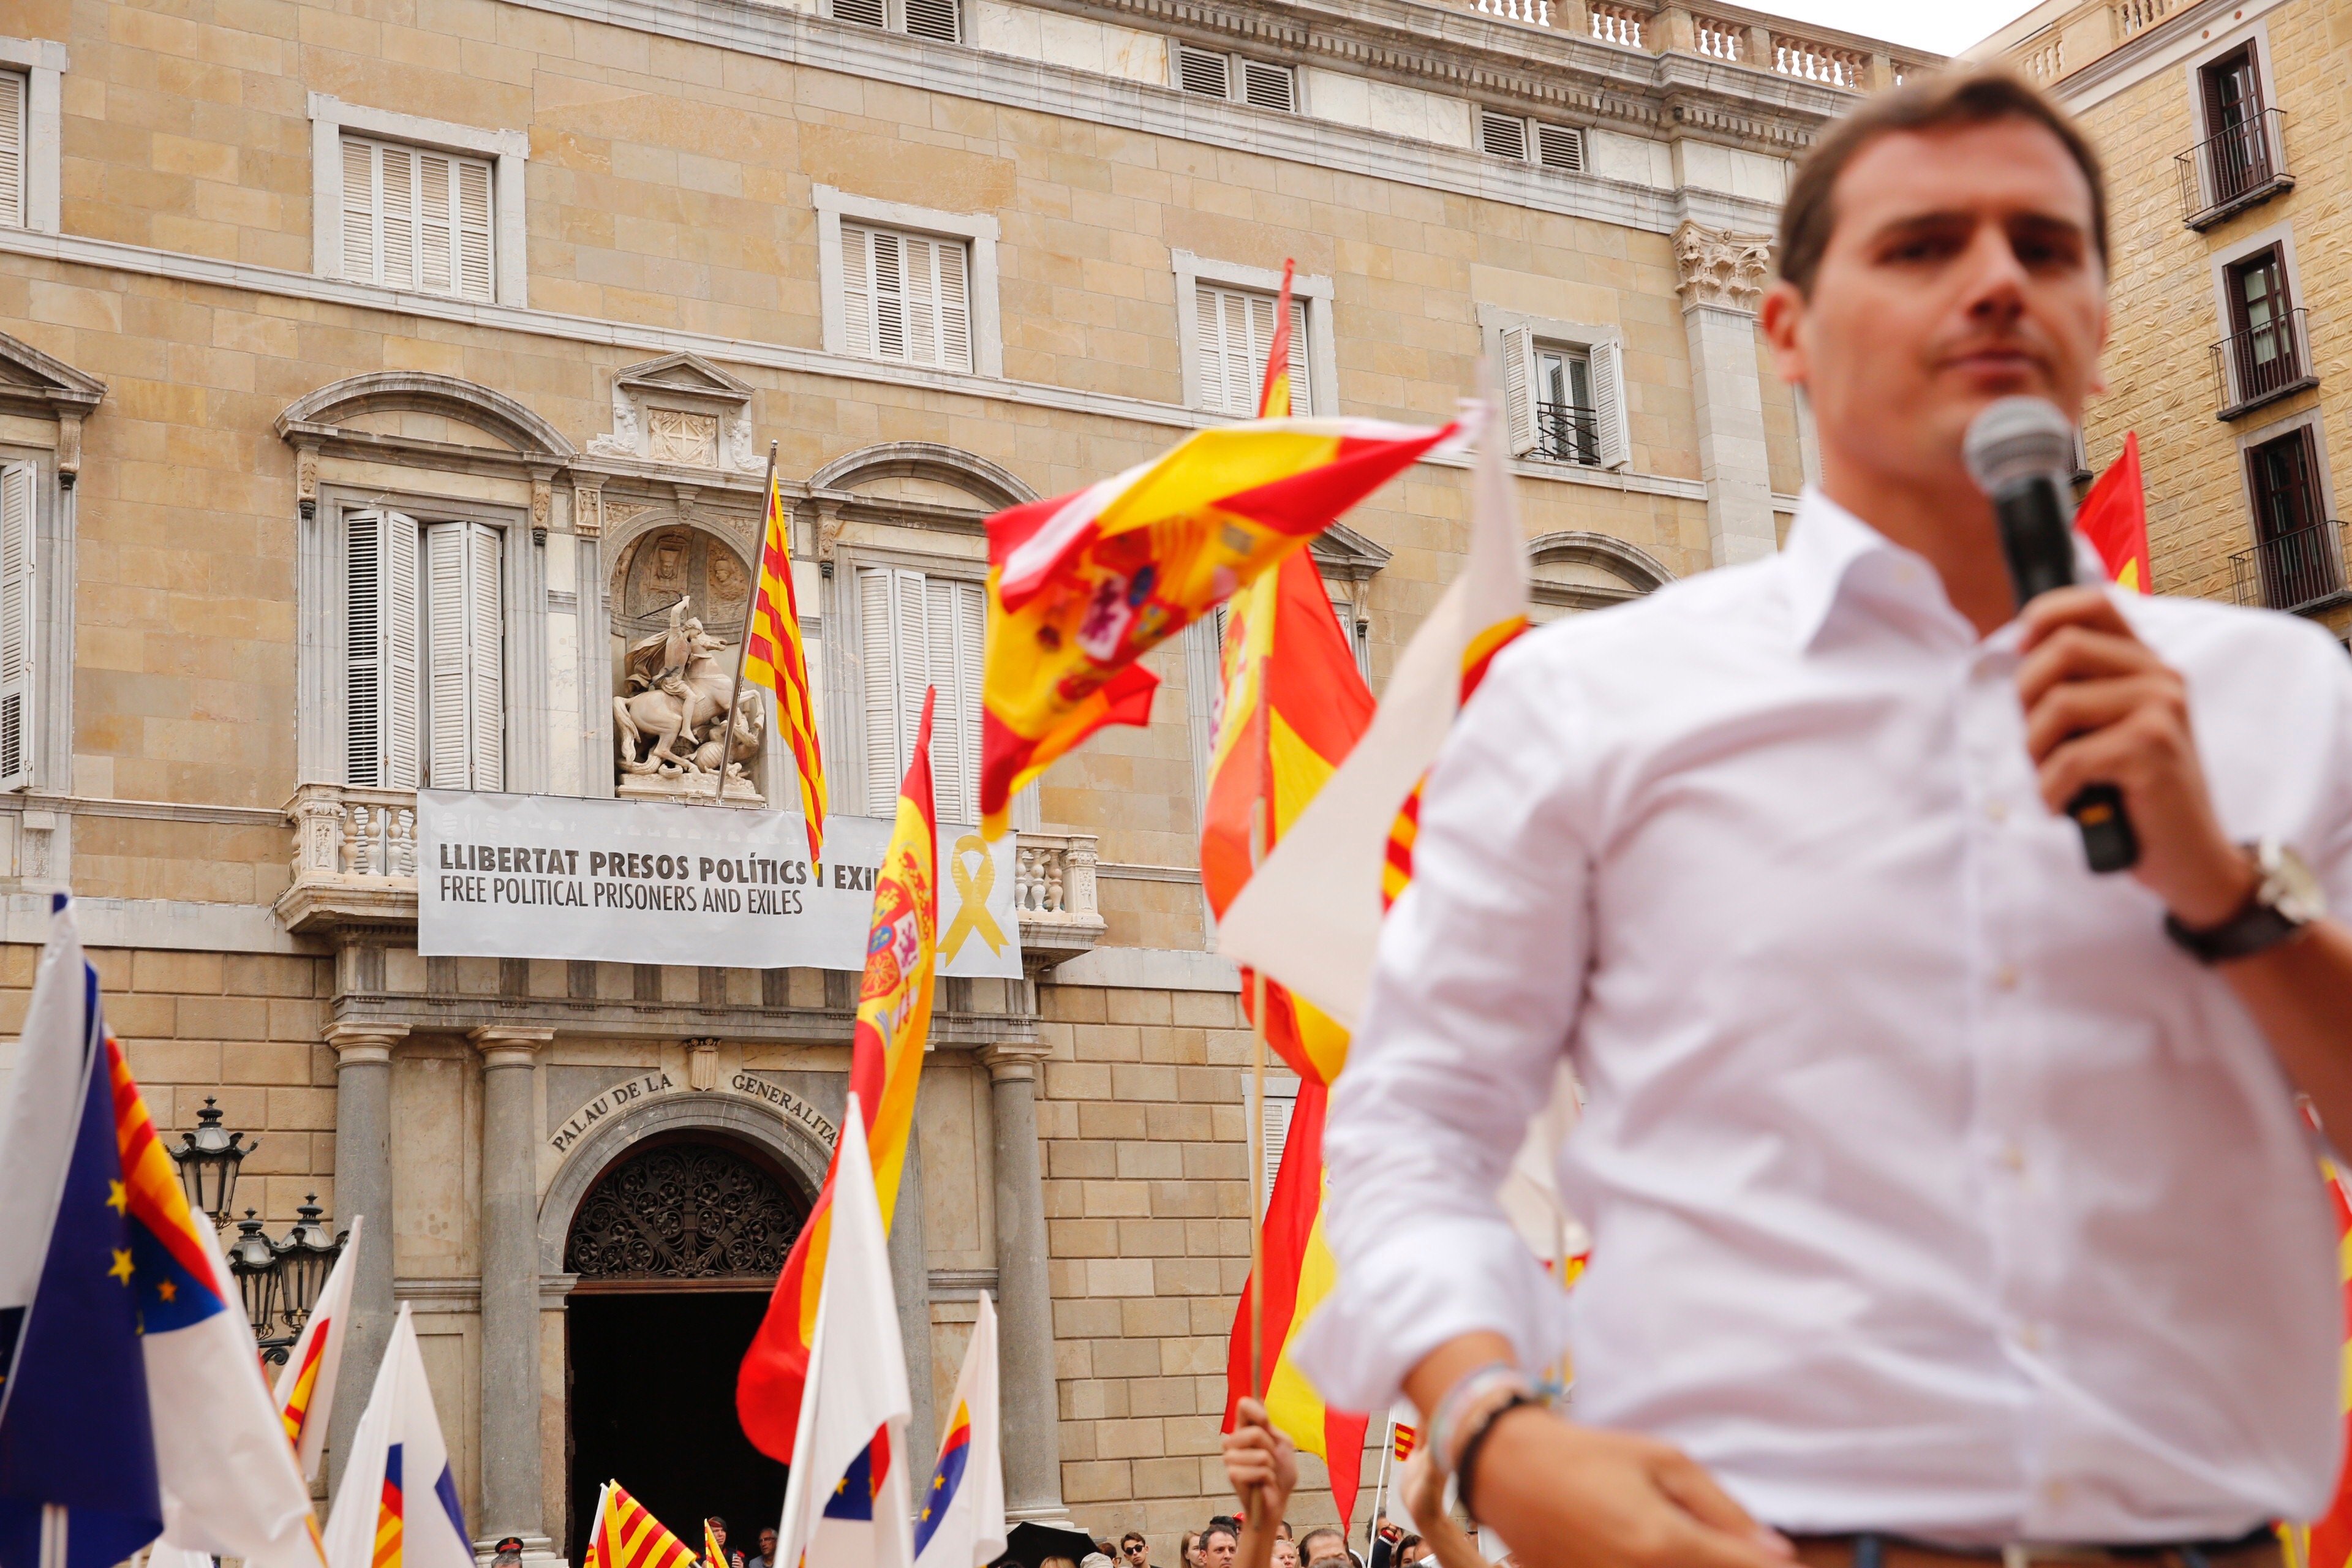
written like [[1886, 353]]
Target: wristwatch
[[2287, 899]]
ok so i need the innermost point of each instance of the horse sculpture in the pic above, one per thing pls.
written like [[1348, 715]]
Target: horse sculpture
[[685, 690]]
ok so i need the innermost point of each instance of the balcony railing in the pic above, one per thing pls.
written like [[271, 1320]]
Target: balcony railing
[[2298, 571], [1568, 433], [2263, 365], [1054, 896], [2241, 167]]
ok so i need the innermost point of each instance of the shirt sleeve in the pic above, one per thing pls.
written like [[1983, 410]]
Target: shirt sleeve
[[1480, 970]]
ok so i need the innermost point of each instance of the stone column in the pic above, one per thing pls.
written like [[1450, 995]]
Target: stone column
[[1722, 278], [1024, 1294], [512, 1501], [910, 1277], [363, 1186]]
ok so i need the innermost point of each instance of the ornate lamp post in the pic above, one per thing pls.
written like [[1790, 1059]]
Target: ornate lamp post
[[304, 1260], [208, 1159], [253, 1261]]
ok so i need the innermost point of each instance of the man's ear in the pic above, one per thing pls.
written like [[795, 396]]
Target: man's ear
[[1782, 316]]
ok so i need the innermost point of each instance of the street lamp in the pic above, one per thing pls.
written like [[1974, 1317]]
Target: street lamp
[[253, 1261], [280, 1280], [208, 1158], [304, 1257]]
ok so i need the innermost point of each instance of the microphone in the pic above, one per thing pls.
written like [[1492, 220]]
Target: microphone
[[2021, 452]]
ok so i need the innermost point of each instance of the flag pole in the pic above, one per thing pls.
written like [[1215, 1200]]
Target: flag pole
[[750, 614], [1258, 1197], [1380, 1487]]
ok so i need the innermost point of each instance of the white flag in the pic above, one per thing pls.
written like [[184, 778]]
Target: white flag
[[960, 1521], [398, 1494], [846, 1503], [306, 1387], [1310, 918]]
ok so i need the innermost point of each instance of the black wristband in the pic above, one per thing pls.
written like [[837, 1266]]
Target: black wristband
[[1474, 1444]]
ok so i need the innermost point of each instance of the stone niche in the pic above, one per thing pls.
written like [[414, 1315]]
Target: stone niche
[[681, 412], [679, 595]]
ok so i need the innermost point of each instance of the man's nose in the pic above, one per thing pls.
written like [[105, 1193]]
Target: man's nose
[[1996, 278]]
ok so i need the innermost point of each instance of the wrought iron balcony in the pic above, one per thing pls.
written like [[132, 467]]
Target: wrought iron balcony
[[2299, 571], [1568, 433], [2241, 167], [2263, 365]]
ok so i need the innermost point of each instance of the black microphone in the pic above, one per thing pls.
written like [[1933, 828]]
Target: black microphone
[[2021, 452]]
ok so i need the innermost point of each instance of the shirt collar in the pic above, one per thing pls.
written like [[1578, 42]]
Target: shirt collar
[[1832, 556]]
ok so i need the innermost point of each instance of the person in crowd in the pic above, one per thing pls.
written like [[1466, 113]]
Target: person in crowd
[[767, 1557], [1191, 1551], [1134, 1552], [715, 1546], [1220, 1545], [508, 1552], [1286, 1553], [1321, 1541]]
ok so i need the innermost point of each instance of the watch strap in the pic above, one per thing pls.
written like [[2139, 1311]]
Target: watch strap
[[2253, 928]]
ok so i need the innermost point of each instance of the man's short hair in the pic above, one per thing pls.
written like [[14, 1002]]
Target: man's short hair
[[1135, 1536], [1219, 1527], [1332, 1543], [1932, 102]]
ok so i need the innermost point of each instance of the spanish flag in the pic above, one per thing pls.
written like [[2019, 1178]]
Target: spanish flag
[[893, 1017], [626, 1536], [775, 657], [2328, 1541], [2113, 517], [1081, 586]]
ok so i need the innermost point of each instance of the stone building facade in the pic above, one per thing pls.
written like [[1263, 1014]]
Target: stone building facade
[[376, 375], [2215, 121]]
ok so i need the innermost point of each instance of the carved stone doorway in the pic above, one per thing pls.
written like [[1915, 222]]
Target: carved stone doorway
[[677, 1246]]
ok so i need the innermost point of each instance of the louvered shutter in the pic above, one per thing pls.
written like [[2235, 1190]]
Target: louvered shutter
[[1268, 86], [1609, 404], [955, 617], [1211, 368], [1240, 356], [1560, 146], [1519, 388], [922, 291], [437, 241], [911, 651], [475, 276], [403, 669], [889, 281], [12, 149], [399, 217], [857, 289], [864, 12], [933, 19], [485, 657], [878, 687], [1302, 395], [954, 306], [464, 657], [1278, 1107], [17, 497], [1199, 72], [380, 667], [360, 209], [1502, 135]]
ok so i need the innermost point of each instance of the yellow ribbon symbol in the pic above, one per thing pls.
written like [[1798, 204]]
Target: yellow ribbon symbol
[[972, 898]]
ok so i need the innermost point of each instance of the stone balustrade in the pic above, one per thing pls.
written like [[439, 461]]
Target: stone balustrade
[[1752, 41], [1053, 894], [354, 858]]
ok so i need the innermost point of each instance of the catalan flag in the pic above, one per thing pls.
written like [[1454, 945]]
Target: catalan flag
[[129, 1389], [775, 657], [885, 1064], [627, 1536], [1081, 586], [1406, 1438], [2113, 517]]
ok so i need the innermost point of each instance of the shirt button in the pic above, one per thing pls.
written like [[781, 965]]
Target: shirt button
[[1996, 811], [2028, 1336], [2013, 1158], [2005, 978], [2053, 1491]]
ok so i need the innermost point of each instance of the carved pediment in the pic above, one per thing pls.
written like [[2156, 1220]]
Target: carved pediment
[[680, 411], [1344, 556], [33, 382]]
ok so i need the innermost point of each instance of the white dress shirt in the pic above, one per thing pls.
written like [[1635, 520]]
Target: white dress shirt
[[1932, 1189]]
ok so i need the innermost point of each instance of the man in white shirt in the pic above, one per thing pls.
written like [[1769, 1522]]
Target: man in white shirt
[[1944, 1201]]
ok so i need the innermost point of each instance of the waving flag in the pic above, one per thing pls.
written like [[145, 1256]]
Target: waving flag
[[775, 657], [960, 1521], [1081, 586], [397, 1505], [627, 1536], [886, 1065], [306, 1387], [2113, 517], [2327, 1542], [131, 1401], [846, 1501]]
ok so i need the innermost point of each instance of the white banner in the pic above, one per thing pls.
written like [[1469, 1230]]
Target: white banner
[[635, 881]]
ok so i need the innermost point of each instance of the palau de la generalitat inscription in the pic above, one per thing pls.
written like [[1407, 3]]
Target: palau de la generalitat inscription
[[637, 1091]]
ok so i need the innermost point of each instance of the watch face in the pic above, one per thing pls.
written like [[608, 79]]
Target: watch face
[[2290, 887]]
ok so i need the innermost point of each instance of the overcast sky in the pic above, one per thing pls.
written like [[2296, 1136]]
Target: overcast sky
[[1946, 27]]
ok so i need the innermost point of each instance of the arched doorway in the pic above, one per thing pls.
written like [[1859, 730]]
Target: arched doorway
[[677, 1245]]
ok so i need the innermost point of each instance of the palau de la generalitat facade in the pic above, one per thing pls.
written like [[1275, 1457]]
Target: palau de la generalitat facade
[[387, 389]]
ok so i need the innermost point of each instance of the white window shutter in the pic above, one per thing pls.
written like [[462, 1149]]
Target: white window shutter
[[359, 210], [1278, 1109], [1609, 404], [1302, 397], [922, 286], [1519, 388], [12, 149], [399, 259], [910, 626], [1211, 368], [475, 243], [364, 671], [403, 670], [448, 751], [857, 290], [485, 708], [16, 499], [878, 632], [890, 286], [955, 617], [436, 245], [955, 307], [971, 652], [1242, 356]]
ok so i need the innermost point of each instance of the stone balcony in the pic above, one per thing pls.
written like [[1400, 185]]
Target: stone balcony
[[355, 869]]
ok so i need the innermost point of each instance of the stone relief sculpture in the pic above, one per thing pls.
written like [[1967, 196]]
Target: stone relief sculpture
[[666, 728]]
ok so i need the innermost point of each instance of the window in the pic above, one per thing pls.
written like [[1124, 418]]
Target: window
[[1257, 83], [1560, 146], [2263, 348], [14, 137], [937, 20], [423, 670], [2239, 153], [2297, 552], [1281, 1102], [1508, 136], [419, 220], [1565, 401], [1236, 333], [905, 296], [17, 494], [917, 630], [1502, 135]]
